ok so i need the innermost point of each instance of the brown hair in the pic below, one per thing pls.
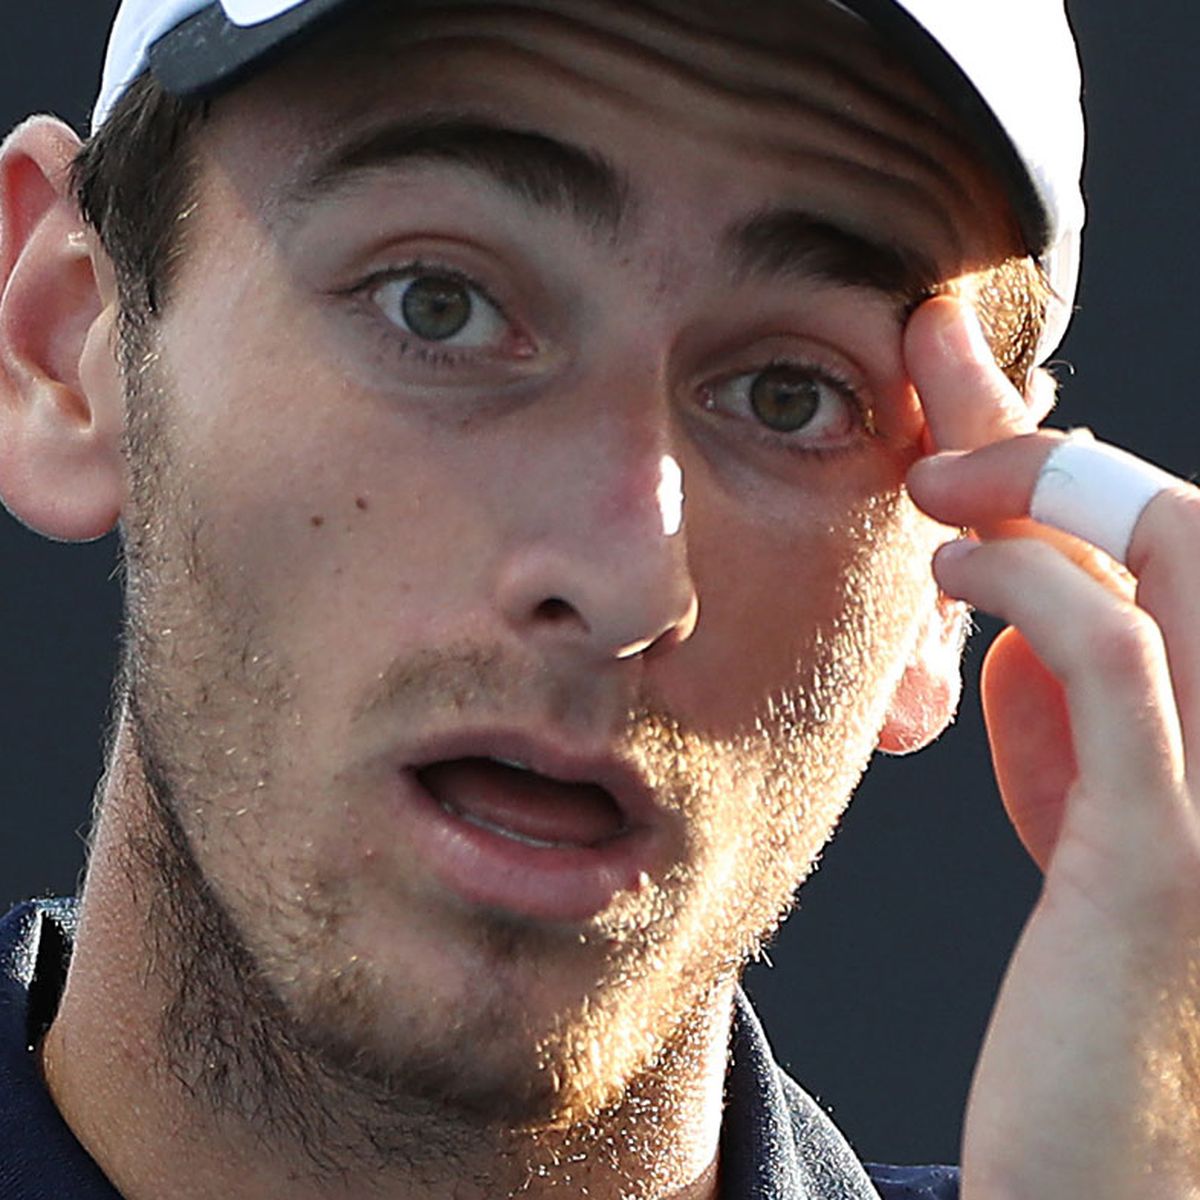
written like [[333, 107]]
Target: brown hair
[[135, 184], [134, 181]]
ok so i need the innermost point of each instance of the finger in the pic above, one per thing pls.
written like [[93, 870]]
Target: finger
[[989, 490], [1164, 555], [984, 487], [1110, 660], [1029, 731], [994, 485], [1100, 566], [968, 401]]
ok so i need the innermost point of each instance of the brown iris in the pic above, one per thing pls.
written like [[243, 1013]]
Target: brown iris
[[785, 399], [436, 307]]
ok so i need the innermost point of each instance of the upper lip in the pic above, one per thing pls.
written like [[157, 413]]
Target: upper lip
[[629, 790]]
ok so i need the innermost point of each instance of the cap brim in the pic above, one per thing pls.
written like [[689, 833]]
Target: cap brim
[[208, 53], [947, 80]]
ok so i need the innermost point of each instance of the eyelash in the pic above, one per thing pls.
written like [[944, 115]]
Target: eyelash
[[431, 354], [846, 389], [408, 345]]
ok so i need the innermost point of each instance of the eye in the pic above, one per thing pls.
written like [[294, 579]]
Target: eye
[[791, 399], [440, 307]]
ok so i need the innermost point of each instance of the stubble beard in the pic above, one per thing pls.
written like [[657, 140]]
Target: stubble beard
[[295, 1057]]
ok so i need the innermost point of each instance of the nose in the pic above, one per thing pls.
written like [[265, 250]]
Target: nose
[[599, 561]]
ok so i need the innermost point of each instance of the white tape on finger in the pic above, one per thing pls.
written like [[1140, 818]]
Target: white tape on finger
[[1096, 492]]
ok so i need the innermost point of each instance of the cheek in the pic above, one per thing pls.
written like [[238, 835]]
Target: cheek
[[760, 607], [327, 498], [342, 531], [777, 597]]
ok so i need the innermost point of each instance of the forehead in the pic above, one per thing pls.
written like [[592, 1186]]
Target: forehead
[[738, 99]]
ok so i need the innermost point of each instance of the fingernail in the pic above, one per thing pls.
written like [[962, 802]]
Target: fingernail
[[935, 464], [953, 552], [964, 336], [942, 458]]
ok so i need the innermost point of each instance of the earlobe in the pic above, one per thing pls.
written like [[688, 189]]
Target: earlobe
[[61, 405], [926, 700], [1041, 393]]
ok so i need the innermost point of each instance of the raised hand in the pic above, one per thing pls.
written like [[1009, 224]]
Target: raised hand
[[1089, 1083]]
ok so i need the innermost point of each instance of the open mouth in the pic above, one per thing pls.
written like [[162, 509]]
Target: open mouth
[[507, 798], [508, 821]]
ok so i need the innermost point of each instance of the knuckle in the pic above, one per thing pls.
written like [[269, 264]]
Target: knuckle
[[1173, 887], [1170, 533], [1020, 554], [1181, 887], [1159, 878], [1184, 512], [1123, 640]]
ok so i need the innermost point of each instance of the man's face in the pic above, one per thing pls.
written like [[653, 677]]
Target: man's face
[[466, 310]]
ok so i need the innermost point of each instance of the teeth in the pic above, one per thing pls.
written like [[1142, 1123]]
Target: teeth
[[512, 762], [504, 831]]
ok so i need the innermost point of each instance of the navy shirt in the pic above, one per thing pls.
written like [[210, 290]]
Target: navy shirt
[[776, 1144]]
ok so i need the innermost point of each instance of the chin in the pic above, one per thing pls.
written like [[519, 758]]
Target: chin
[[510, 1026], [480, 1062]]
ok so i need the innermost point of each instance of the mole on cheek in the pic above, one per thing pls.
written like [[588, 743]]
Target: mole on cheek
[[317, 522], [361, 504]]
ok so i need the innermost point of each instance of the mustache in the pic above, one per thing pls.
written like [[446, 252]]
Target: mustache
[[467, 678], [466, 683]]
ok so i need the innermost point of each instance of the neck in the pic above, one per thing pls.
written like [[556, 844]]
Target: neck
[[178, 1084]]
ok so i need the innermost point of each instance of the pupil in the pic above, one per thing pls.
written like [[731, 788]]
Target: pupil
[[785, 400], [436, 308]]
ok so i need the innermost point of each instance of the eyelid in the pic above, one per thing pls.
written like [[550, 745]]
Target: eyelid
[[759, 349], [518, 345], [800, 354], [850, 392], [418, 268], [838, 380]]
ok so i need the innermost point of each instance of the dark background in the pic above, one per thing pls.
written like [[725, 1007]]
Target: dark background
[[883, 980]]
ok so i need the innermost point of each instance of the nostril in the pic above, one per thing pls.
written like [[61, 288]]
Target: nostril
[[556, 611]]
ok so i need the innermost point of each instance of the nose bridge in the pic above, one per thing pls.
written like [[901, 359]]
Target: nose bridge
[[631, 441], [599, 557]]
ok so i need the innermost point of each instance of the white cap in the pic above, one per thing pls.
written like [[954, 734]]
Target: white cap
[[1019, 59], [1009, 68]]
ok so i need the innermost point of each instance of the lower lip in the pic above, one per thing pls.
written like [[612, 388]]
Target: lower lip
[[485, 868]]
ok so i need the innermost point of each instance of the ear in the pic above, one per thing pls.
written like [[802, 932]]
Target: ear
[[61, 401], [927, 698], [1041, 393]]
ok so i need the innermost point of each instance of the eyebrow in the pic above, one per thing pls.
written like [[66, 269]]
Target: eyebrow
[[780, 243], [558, 176], [541, 170]]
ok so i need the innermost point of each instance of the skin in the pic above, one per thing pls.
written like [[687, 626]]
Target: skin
[[296, 494], [1090, 698], [294, 483]]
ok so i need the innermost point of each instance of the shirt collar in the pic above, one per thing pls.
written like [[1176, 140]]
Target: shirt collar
[[776, 1143]]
